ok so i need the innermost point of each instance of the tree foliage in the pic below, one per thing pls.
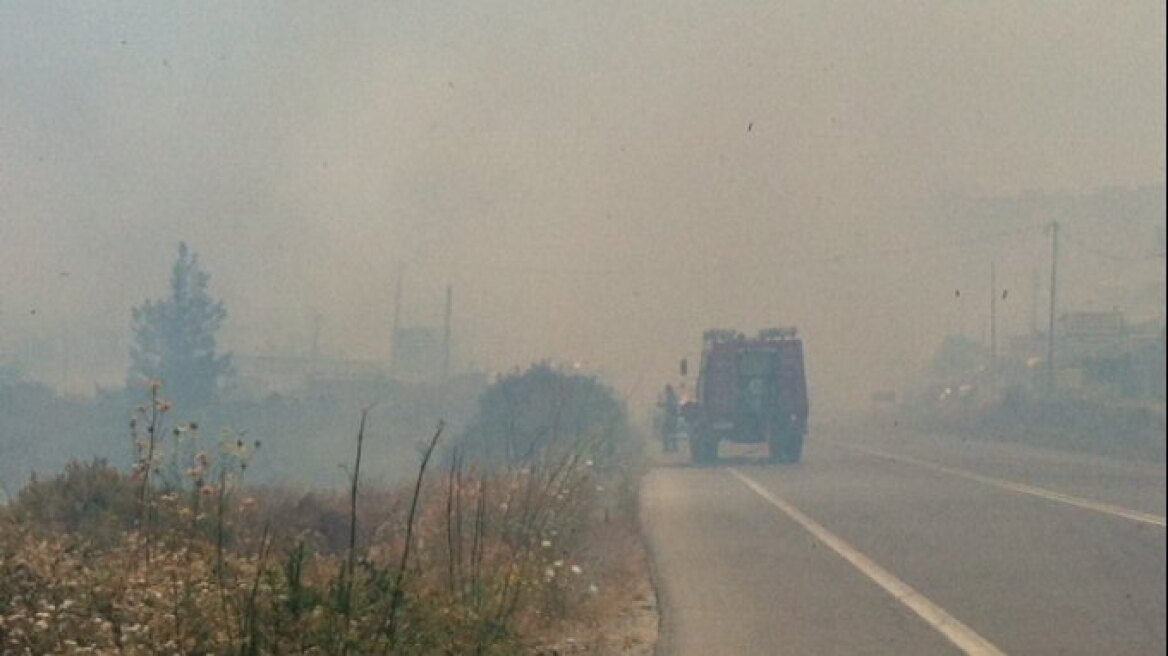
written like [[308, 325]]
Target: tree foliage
[[521, 416], [174, 337]]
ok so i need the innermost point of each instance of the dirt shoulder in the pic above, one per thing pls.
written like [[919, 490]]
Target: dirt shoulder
[[623, 617]]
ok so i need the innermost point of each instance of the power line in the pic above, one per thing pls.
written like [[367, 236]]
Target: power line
[[1092, 250], [913, 250], [824, 259]]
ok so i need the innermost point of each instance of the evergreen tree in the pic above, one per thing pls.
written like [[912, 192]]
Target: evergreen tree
[[174, 338]]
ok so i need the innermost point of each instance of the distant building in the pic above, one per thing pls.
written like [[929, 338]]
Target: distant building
[[258, 375], [1092, 325], [417, 355], [1111, 284], [1096, 353]]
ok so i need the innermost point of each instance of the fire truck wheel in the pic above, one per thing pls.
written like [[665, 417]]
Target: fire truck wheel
[[776, 448], [795, 448], [703, 451]]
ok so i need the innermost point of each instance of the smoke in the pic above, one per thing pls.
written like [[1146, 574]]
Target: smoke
[[599, 182]]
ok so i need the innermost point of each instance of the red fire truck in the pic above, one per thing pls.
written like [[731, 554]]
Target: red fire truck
[[750, 390]]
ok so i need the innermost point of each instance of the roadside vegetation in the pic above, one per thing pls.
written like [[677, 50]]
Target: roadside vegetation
[[1113, 408], [476, 555], [1105, 427]]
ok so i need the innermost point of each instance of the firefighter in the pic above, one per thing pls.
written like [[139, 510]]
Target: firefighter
[[672, 407]]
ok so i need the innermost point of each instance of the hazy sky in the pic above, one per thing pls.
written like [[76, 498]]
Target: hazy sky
[[599, 181]]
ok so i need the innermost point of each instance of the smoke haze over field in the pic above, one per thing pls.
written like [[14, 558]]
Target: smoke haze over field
[[599, 181]]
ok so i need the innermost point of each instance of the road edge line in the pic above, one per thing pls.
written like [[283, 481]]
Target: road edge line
[[663, 645], [963, 637], [1021, 488]]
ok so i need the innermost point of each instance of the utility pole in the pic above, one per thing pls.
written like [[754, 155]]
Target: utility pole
[[446, 334], [315, 353], [993, 322], [64, 360], [1035, 285], [1054, 228], [394, 343]]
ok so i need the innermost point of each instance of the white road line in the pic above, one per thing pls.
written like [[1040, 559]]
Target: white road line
[[958, 633], [1042, 493]]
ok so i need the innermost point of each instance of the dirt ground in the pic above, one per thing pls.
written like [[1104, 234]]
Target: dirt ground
[[630, 630], [624, 621]]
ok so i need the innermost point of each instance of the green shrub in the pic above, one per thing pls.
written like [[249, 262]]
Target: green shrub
[[91, 498]]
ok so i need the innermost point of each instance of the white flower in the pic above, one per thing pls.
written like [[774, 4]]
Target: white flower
[[546, 544], [576, 570]]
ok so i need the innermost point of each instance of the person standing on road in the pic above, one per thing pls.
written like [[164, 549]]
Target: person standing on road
[[672, 407]]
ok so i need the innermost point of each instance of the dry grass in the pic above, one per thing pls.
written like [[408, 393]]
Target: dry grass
[[97, 561]]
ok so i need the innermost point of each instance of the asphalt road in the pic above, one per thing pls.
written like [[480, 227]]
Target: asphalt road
[[885, 541]]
